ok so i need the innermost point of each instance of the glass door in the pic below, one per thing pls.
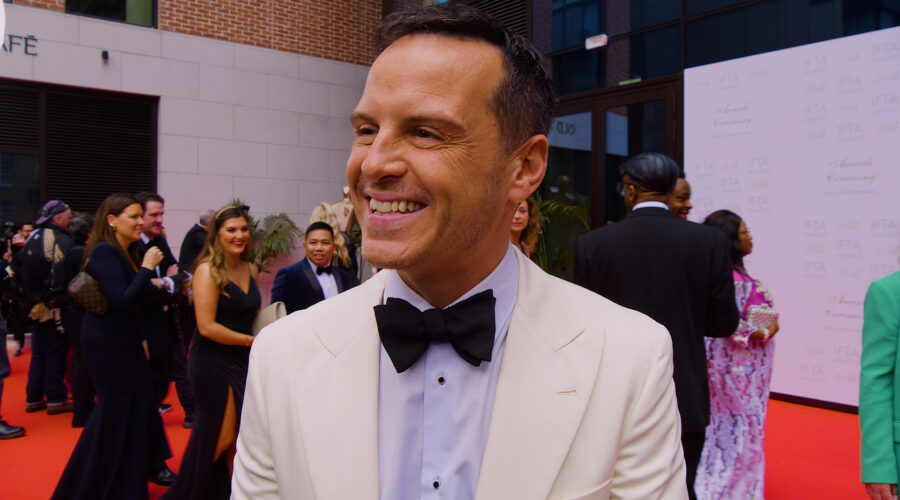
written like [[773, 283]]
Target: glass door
[[590, 137]]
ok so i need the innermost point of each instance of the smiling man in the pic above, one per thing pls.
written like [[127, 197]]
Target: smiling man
[[313, 279], [462, 370]]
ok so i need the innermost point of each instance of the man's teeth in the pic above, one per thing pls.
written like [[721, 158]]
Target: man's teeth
[[387, 207]]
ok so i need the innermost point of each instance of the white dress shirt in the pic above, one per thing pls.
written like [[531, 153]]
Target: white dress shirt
[[433, 419], [647, 204], [326, 280], [170, 283]]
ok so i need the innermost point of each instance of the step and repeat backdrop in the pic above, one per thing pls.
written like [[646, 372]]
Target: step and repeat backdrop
[[804, 145]]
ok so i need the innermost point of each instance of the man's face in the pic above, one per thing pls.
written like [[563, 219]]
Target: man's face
[[62, 219], [427, 172], [680, 199], [26, 230], [153, 219], [319, 247]]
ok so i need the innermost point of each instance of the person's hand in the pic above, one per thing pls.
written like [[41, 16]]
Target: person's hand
[[881, 491], [172, 271], [152, 258], [774, 328], [158, 282]]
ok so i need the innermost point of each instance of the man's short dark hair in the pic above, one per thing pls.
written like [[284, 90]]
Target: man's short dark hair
[[319, 225], [523, 102], [143, 197]]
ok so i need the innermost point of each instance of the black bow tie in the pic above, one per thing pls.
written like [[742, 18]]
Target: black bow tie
[[406, 332], [326, 269]]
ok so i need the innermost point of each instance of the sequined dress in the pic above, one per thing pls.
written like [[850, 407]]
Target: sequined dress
[[740, 369]]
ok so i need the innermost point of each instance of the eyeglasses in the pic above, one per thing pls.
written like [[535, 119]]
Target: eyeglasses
[[620, 187]]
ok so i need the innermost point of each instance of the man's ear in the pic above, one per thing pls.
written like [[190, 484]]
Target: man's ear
[[531, 165]]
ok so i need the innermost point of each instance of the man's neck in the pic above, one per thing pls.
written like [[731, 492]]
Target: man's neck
[[441, 287]]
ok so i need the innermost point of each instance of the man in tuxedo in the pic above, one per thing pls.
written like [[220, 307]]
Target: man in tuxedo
[[462, 370], [675, 271], [313, 279], [168, 359]]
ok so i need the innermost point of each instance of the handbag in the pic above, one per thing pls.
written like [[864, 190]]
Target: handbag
[[85, 290], [268, 315], [761, 316]]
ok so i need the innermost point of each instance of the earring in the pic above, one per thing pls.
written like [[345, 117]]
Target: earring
[[113, 228]]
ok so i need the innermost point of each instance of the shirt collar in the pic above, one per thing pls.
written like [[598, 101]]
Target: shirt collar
[[313, 265], [145, 238], [648, 204], [503, 280]]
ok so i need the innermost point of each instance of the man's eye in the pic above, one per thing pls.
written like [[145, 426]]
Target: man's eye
[[424, 134]]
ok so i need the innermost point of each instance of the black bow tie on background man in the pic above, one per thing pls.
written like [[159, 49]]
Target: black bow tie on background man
[[326, 269], [406, 331]]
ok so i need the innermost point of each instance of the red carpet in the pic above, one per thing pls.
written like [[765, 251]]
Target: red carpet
[[810, 453]]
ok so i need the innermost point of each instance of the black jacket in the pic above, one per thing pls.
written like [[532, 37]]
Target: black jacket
[[678, 273], [40, 265], [191, 246], [296, 285], [159, 306]]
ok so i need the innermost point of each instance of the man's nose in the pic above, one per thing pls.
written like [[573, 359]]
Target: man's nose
[[384, 157]]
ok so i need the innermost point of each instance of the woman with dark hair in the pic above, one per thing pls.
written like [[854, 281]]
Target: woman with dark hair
[[226, 299], [123, 440], [740, 369], [72, 316], [526, 226]]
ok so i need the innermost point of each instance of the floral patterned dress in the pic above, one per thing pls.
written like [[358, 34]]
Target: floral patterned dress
[[740, 369]]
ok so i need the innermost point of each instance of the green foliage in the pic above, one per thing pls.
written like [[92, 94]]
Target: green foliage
[[561, 223], [274, 236]]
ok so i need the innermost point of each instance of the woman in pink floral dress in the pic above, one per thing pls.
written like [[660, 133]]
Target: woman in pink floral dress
[[740, 369]]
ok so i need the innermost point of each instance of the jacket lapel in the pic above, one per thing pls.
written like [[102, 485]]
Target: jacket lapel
[[542, 392], [338, 408], [311, 278]]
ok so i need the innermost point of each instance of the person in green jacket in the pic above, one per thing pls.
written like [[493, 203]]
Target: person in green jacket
[[879, 389]]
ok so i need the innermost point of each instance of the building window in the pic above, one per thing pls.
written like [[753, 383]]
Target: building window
[[139, 12]]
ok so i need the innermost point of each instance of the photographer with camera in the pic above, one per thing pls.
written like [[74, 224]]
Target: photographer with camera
[[44, 290], [12, 239]]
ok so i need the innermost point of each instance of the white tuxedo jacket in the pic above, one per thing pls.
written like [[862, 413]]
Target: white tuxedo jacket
[[585, 404]]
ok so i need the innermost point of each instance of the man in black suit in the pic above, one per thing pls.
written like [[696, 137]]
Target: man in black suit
[[675, 271], [194, 240], [191, 247], [168, 359], [313, 279]]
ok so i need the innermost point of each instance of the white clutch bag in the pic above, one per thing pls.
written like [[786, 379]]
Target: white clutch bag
[[761, 316], [267, 316]]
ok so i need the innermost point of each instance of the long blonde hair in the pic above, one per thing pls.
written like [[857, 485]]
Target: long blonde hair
[[322, 213], [214, 253]]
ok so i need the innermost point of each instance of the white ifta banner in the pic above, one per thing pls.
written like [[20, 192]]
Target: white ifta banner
[[804, 144]]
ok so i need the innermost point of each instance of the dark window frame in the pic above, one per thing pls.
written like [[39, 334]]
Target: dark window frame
[[154, 22]]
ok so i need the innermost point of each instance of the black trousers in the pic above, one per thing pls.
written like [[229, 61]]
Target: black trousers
[[692, 442], [48, 364]]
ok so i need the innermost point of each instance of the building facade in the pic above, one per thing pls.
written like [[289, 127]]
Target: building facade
[[201, 101]]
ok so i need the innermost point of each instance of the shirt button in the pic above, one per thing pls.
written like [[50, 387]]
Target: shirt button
[[435, 485], [441, 381]]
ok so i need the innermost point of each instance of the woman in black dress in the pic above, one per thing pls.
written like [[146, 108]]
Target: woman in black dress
[[123, 440], [226, 299]]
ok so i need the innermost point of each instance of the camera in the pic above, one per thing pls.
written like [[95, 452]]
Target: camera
[[8, 231]]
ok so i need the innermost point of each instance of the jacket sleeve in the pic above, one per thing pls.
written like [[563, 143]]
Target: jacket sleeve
[[651, 460], [254, 464], [281, 289], [722, 312], [107, 268], [877, 389]]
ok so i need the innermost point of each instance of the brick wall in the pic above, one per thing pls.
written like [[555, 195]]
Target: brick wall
[[341, 30]]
